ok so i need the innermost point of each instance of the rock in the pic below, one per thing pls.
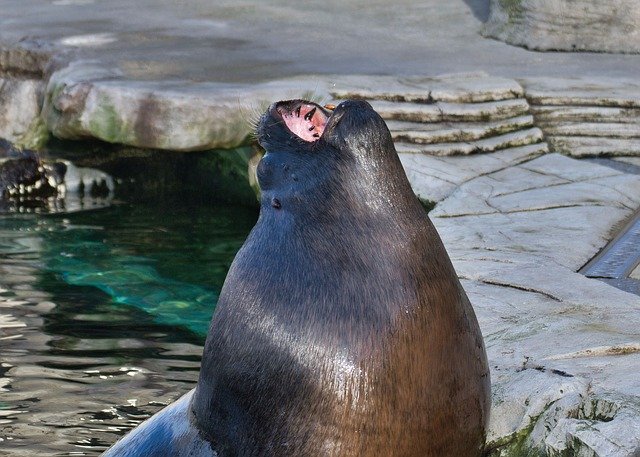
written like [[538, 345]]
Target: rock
[[451, 112], [86, 101], [460, 88], [560, 25], [633, 161], [20, 121], [29, 183], [595, 129], [29, 58], [481, 112], [430, 133], [446, 116], [491, 144], [588, 91], [549, 114], [410, 112], [587, 116], [563, 348], [435, 178], [594, 146]]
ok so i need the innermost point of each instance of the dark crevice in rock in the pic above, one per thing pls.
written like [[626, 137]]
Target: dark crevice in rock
[[143, 174], [513, 286]]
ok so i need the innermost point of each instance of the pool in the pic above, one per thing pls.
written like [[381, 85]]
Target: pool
[[102, 317]]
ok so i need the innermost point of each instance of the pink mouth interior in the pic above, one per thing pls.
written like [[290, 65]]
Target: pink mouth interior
[[306, 121]]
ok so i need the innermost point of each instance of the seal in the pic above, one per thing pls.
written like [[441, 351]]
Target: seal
[[342, 328]]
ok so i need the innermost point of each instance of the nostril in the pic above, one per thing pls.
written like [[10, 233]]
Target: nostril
[[276, 203]]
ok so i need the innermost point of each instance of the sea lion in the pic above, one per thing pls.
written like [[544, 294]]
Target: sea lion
[[342, 328]]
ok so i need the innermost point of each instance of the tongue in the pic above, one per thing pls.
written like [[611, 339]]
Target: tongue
[[306, 121]]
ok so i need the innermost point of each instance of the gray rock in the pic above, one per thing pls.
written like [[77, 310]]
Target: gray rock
[[458, 88], [507, 140], [412, 132], [86, 101], [549, 114], [587, 91], [29, 57], [20, 102], [594, 146], [564, 349], [435, 178], [576, 25], [587, 116]]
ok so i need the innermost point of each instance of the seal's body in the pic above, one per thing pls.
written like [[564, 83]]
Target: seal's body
[[342, 328]]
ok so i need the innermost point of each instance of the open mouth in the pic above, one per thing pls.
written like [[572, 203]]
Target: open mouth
[[303, 119]]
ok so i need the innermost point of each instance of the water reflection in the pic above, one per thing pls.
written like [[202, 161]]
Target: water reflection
[[102, 317]]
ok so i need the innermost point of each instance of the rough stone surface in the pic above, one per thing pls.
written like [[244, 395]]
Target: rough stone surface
[[585, 91], [255, 41], [491, 144], [87, 102], [478, 113], [447, 132], [452, 115], [435, 178], [587, 117], [594, 146], [575, 25], [20, 102], [460, 88], [517, 236], [28, 57]]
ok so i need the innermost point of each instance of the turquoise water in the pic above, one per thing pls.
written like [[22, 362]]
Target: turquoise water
[[102, 318]]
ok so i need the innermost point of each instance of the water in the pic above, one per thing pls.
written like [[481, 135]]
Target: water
[[102, 318]]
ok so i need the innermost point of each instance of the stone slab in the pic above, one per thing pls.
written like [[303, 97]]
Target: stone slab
[[554, 114], [449, 112], [587, 91], [411, 132], [491, 144], [253, 41], [462, 88], [83, 100], [595, 129], [556, 25], [434, 178], [578, 146], [20, 102], [517, 236], [444, 111]]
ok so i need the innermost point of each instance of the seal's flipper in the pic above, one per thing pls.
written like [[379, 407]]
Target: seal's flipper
[[170, 432]]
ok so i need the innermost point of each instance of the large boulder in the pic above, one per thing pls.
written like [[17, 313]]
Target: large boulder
[[567, 25]]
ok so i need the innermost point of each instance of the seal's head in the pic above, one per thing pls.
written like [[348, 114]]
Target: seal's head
[[314, 154]]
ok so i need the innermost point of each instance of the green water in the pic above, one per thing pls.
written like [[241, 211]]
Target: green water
[[102, 317]]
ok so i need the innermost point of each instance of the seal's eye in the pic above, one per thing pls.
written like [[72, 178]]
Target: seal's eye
[[304, 120]]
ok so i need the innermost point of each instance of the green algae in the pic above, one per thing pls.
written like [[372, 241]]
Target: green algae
[[512, 7], [515, 445], [35, 137], [428, 205], [107, 125]]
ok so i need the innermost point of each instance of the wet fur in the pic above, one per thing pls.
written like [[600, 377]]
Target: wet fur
[[342, 328]]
